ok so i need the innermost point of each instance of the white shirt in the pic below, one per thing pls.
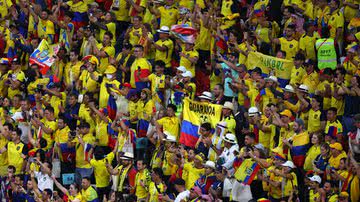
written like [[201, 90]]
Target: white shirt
[[229, 156], [44, 181], [23, 125], [182, 196]]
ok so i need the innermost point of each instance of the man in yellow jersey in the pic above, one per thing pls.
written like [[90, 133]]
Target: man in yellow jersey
[[120, 9], [168, 13], [104, 51], [134, 32], [16, 151], [142, 181], [105, 25], [45, 126], [337, 154], [57, 97], [72, 69], [298, 71], [164, 48], [288, 44], [88, 193], [189, 57], [308, 39], [333, 128], [106, 86], [311, 77], [140, 64], [45, 28], [61, 137], [5, 133], [170, 123], [83, 143], [15, 78], [228, 117]]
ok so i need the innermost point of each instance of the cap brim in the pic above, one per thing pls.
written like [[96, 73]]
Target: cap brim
[[204, 97], [162, 32]]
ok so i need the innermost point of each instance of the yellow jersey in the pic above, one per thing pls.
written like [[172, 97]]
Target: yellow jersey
[[102, 176]]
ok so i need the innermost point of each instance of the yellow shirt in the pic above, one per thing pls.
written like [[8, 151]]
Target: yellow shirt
[[81, 162], [193, 174], [111, 27], [133, 39], [204, 39], [104, 95], [89, 194], [243, 58], [349, 12], [275, 192], [171, 125], [133, 109], [146, 110], [140, 191], [4, 8], [3, 156], [336, 21], [339, 104], [46, 30], [84, 114], [33, 85], [157, 82], [104, 62], [290, 47], [20, 76], [72, 72], [122, 14], [48, 137], [153, 191], [290, 185], [102, 136], [62, 135], [55, 101], [72, 198], [88, 84], [144, 66], [335, 161], [168, 167], [337, 124], [313, 196], [187, 63], [311, 155], [314, 123], [307, 44], [311, 81], [351, 69], [168, 15], [165, 56], [14, 152], [322, 15], [102, 176], [321, 87]]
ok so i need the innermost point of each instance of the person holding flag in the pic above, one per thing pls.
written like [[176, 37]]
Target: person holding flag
[[141, 65]]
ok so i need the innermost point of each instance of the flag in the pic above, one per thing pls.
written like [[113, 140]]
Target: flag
[[80, 18], [111, 107], [247, 171], [44, 56], [87, 149], [184, 32], [299, 148], [142, 128], [195, 113], [4, 61], [332, 132], [67, 153], [280, 67]]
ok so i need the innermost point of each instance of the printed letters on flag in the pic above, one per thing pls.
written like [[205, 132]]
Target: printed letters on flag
[[196, 113]]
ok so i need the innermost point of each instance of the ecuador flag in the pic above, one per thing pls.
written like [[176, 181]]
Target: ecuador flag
[[194, 114]]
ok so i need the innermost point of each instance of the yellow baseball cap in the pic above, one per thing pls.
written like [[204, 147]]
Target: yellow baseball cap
[[336, 146], [287, 113], [110, 69]]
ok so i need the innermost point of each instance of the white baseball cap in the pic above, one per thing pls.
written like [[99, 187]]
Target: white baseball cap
[[206, 95], [315, 178], [289, 88], [289, 164], [164, 29], [231, 138], [182, 69], [210, 164], [187, 74], [253, 111], [303, 88], [271, 78]]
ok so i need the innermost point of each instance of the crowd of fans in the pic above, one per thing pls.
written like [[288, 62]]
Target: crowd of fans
[[61, 141]]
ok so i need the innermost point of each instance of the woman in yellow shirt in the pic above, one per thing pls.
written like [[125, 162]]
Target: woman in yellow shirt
[[313, 152], [73, 193]]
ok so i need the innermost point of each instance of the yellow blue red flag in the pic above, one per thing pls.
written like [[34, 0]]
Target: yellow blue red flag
[[44, 56], [194, 114]]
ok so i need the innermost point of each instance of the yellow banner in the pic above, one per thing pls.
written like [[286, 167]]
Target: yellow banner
[[199, 112], [280, 67]]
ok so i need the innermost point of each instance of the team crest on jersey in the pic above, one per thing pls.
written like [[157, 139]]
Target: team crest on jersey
[[315, 116], [18, 148], [291, 46]]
